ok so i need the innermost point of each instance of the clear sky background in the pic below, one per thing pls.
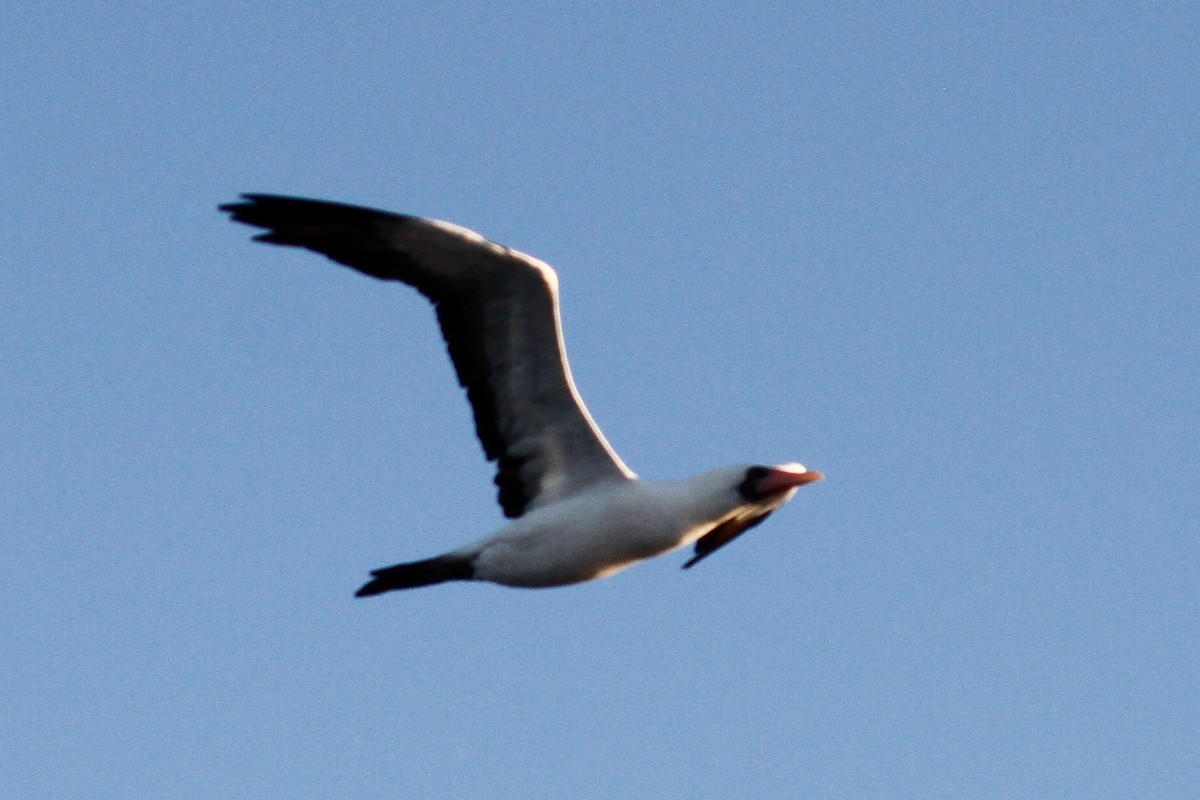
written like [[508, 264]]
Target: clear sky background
[[947, 256]]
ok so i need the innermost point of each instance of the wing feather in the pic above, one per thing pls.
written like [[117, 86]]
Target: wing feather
[[723, 533], [499, 315]]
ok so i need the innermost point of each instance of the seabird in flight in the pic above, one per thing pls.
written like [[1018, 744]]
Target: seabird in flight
[[577, 511]]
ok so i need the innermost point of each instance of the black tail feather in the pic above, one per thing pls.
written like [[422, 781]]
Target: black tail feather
[[419, 573]]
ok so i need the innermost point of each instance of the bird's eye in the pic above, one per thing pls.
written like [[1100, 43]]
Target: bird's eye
[[748, 488]]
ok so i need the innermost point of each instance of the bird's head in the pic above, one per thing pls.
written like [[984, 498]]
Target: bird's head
[[774, 486], [749, 495]]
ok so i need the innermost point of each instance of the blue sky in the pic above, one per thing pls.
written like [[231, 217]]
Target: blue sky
[[946, 255]]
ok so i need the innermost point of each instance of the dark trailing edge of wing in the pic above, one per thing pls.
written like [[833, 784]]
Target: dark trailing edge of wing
[[357, 237]]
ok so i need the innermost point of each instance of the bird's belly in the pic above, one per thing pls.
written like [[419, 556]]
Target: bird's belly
[[545, 558]]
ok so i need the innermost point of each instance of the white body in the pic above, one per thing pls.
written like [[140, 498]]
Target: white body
[[598, 534], [611, 528]]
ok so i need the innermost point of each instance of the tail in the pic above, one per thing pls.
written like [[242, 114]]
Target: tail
[[449, 567]]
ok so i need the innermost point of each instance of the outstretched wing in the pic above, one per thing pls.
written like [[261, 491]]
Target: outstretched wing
[[724, 533], [498, 311]]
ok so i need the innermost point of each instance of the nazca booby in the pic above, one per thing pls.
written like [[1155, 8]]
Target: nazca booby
[[577, 511]]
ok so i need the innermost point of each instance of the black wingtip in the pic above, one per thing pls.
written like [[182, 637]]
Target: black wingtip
[[243, 210], [253, 202]]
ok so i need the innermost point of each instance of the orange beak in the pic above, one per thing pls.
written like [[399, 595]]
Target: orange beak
[[782, 480]]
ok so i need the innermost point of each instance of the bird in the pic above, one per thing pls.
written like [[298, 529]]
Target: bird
[[576, 511]]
